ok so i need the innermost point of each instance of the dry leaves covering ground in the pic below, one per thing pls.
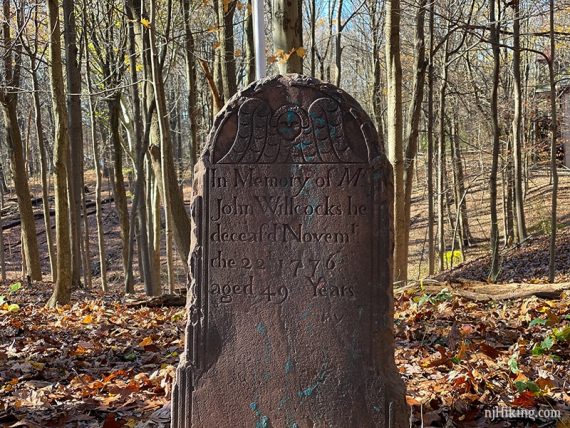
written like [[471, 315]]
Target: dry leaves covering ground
[[96, 363], [100, 363], [460, 358]]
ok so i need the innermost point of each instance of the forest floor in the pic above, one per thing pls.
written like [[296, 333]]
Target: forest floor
[[527, 262], [102, 362]]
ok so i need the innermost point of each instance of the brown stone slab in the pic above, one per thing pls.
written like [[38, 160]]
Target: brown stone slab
[[290, 311]]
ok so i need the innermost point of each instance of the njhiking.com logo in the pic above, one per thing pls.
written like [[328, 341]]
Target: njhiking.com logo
[[518, 413]]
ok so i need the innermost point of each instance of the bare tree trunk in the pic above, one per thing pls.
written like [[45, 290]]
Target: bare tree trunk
[[430, 150], [179, 221], [151, 139], [43, 169], [337, 39], [517, 128], [75, 131], [98, 181], [155, 185], [157, 193], [441, 159], [494, 237], [21, 184], [2, 252], [62, 290], [553, 136], [139, 201], [459, 195], [176, 126], [414, 117], [287, 22], [9, 100], [28, 154], [120, 193], [249, 47], [313, 25], [24, 262], [168, 172], [153, 224], [508, 190], [377, 82], [217, 102], [86, 245], [226, 10], [217, 68], [191, 79], [3, 180], [395, 138], [459, 188]]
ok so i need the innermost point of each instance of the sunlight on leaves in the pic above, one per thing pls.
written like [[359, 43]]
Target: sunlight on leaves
[[513, 365], [15, 287]]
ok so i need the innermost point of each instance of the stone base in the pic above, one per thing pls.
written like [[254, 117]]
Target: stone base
[[310, 407]]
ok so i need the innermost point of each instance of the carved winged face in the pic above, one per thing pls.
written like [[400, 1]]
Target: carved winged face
[[289, 125], [290, 134]]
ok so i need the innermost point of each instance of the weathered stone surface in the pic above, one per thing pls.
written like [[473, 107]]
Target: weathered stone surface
[[290, 309]]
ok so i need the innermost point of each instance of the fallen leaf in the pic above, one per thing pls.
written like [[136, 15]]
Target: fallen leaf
[[525, 399], [146, 342], [112, 421]]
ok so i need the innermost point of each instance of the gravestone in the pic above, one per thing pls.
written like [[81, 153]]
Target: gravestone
[[290, 319]]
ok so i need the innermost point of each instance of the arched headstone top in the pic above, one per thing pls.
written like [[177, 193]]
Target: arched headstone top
[[292, 119]]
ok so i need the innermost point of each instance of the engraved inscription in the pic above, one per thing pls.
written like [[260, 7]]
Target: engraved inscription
[[311, 212], [226, 293], [332, 318], [322, 289]]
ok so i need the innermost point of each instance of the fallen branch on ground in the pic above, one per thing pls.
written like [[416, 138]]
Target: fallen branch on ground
[[159, 301], [481, 291]]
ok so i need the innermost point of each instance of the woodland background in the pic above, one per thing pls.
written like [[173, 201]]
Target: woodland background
[[105, 108]]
